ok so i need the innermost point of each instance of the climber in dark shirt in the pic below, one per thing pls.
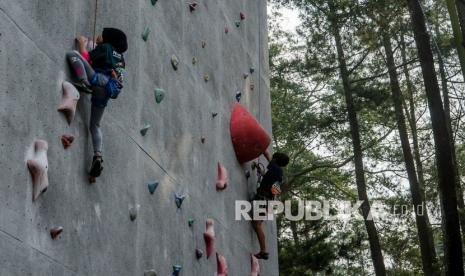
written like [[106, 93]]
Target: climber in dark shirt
[[270, 188]]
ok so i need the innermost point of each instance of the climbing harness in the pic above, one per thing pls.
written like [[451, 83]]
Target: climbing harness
[[260, 168]]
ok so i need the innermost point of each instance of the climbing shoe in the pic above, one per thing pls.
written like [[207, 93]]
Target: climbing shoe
[[83, 87], [262, 255], [96, 168]]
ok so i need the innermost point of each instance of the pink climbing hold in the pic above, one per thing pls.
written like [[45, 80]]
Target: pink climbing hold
[[209, 237], [67, 140], [255, 266], [38, 168], [242, 16], [55, 232], [222, 180], [226, 30], [221, 265], [69, 101], [249, 138]]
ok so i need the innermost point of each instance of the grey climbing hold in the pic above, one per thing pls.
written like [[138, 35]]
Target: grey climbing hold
[[176, 270], [204, 44], [159, 95], [133, 213], [144, 130], [238, 96], [190, 222], [202, 140], [206, 77], [252, 69], [150, 272], [55, 232], [174, 62], [145, 33], [198, 253], [178, 199], [152, 186], [247, 174], [214, 114], [193, 6], [246, 75], [194, 60], [252, 86], [238, 23], [153, 2]]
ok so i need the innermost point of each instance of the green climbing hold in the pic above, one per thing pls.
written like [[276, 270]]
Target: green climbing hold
[[153, 2], [144, 130], [238, 23], [176, 270], [174, 62], [190, 222], [159, 95], [145, 33]]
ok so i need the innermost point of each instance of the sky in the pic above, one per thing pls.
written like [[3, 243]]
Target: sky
[[290, 19]]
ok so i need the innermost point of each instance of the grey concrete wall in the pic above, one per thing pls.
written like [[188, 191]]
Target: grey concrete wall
[[98, 237]]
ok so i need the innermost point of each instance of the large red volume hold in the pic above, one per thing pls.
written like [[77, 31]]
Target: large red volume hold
[[249, 138]]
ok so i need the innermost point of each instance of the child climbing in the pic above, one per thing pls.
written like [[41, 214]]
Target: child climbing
[[270, 188], [100, 73]]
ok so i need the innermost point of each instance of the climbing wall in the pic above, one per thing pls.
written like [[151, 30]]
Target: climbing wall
[[98, 237]]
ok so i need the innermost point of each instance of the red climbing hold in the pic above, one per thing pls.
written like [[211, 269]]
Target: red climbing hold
[[38, 168], [242, 16], [222, 180], [55, 232], [67, 140], [69, 101], [221, 265], [249, 138], [255, 266], [209, 237]]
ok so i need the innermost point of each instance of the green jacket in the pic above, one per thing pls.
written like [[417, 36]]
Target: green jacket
[[104, 57]]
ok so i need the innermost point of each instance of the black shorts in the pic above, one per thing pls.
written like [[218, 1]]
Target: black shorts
[[263, 205]]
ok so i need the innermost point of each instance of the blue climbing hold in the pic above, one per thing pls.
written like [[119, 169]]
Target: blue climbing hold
[[238, 96], [153, 2], [152, 185], [178, 199], [190, 222], [145, 33], [252, 69], [159, 95], [176, 270], [238, 23], [144, 130]]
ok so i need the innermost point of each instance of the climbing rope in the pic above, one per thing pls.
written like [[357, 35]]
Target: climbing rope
[[95, 24]]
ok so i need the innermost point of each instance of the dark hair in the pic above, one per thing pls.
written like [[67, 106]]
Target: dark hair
[[115, 38], [281, 159]]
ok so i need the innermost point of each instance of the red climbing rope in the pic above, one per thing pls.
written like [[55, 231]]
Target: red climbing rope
[[95, 24]]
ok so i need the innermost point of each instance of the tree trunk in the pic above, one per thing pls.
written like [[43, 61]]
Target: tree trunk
[[445, 93], [425, 236], [444, 160], [458, 39], [375, 247], [460, 4]]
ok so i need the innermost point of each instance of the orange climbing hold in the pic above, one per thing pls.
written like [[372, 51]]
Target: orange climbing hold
[[67, 140], [209, 237], [222, 180], [249, 138], [221, 265]]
